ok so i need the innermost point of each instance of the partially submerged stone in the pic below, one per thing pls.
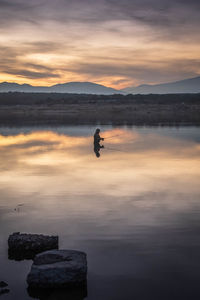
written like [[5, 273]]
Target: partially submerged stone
[[58, 269], [26, 246], [76, 293], [3, 288], [4, 291], [3, 284]]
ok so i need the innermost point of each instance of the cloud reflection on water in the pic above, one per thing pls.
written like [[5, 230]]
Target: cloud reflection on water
[[56, 164], [135, 211]]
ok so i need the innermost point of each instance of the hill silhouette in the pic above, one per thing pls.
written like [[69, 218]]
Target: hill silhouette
[[70, 87], [191, 85]]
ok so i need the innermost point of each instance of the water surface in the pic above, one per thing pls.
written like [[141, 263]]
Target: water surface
[[135, 210]]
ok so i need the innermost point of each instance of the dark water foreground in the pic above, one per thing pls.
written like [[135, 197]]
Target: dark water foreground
[[135, 210]]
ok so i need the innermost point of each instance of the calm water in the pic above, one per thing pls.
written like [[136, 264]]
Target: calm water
[[135, 210]]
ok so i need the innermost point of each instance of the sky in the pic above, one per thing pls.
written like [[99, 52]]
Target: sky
[[117, 43]]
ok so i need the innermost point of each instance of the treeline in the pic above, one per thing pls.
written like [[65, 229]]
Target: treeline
[[16, 98]]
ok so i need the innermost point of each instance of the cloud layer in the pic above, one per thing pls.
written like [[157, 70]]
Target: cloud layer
[[117, 43]]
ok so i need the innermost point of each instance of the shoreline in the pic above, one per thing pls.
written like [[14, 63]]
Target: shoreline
[[18, 109]]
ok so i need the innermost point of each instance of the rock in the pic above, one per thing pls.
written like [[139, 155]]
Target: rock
[[3, 284], [26, 246], [77, 293], [4, 291], [58, 269]]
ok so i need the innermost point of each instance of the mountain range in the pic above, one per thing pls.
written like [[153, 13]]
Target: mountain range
[[191, 85], [70, 87]]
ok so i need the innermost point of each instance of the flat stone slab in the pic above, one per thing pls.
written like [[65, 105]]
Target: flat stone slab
[[26, 246], [58, 269]]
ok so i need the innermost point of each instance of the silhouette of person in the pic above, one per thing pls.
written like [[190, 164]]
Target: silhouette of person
[[97, 140]]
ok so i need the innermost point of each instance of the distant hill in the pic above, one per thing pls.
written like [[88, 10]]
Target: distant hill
[[179, 87], [70, 87], [184, 86], [82, 88]]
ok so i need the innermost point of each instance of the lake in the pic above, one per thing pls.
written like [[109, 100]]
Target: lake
[[135, 209]]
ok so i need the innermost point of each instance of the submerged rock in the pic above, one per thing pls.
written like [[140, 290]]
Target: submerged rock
[[26, 246], [4, 291], [77, 293], [3, 288], [3, 284], [58, 269]]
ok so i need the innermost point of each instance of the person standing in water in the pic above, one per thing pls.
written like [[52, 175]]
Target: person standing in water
[[97, 140], [97, 137]]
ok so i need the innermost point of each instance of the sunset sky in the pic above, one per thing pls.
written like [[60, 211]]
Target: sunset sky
[[117, 43]]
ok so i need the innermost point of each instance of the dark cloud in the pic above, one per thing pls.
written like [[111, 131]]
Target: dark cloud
[[37, 67], [19, 49], [7, 5], [30, 74], [144, 72], [157, 13], [151, 11], [11, 60], [41, 46], [70, 29], [13, 12]]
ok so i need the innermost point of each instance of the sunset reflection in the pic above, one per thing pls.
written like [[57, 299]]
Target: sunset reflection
[[131, 165], [131, 210]]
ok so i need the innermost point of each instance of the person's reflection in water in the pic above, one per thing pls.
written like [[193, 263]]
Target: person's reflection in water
[[97, 139]]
